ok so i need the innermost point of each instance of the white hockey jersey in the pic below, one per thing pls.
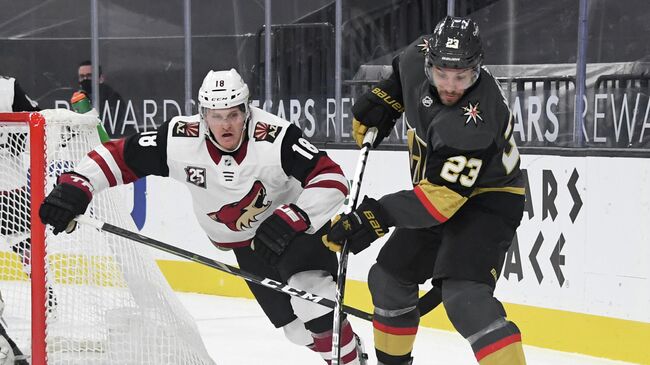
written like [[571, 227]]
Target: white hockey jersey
[[232, 193], [6, 93], [13, 140]]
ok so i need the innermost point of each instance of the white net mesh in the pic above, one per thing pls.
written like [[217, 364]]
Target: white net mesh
[[107, 301]]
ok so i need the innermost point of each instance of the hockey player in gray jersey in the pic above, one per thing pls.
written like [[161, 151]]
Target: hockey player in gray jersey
[[258, 187], [456, 224]]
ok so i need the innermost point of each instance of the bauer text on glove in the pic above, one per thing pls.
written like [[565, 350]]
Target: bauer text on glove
[[360, 227], [378, 108]]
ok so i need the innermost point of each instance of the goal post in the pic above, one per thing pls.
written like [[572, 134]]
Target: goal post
[[86, 297]]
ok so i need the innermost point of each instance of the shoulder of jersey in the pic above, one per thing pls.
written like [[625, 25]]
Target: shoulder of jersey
[[418, 48], [491, 86], [411, 60], [266, 127], [7, 83], [185, 127], [474, 122]]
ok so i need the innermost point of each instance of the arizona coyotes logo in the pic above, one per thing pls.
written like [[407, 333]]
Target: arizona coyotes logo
[[266, 132], [239, 215], [186, 129]]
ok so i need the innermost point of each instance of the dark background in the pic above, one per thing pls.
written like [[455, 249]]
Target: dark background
[[142, 47]]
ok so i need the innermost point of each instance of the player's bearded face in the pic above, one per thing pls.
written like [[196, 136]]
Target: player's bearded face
[[451, 83], [226, 125]]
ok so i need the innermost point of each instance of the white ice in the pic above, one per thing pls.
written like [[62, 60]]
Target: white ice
[[236, 332]]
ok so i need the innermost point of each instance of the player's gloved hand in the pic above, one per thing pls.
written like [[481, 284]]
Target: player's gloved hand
[[70, 197], [360, 227], [332, 246], [378, 108], [277, 231]]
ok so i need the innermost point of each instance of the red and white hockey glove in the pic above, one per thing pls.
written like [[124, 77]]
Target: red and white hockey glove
[[70, 197], [278, 230]]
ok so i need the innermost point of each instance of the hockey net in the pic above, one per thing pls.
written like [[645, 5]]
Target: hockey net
[[102, 298]]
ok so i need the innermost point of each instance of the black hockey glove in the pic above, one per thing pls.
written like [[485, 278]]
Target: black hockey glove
[[70, 197], [379, 108], [277, 231], [360, 228]]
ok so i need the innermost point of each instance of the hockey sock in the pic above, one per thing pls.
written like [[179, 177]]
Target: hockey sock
[[500, 343], [396, 316], [323, 345], [480, 318], [395, 336]]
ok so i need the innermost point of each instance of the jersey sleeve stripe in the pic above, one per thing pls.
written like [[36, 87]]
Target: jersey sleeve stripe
[[106, 151], [337, 181], [99, 160], [116, 149], [329, 176], [325, 165], [329, 184]]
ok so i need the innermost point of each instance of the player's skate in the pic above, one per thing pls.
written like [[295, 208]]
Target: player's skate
[[362, 355]]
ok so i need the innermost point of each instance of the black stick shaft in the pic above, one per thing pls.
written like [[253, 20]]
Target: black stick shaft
[[345, 250], [253, 278]]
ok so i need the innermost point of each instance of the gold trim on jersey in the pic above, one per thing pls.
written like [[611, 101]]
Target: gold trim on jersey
[[503, 189], [441, 199], [417, 155]]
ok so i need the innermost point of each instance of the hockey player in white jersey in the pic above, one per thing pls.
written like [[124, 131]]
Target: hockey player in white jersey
[[14, 198], [258, 187]]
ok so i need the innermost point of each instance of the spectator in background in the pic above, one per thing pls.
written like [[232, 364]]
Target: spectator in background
[[107, 96]]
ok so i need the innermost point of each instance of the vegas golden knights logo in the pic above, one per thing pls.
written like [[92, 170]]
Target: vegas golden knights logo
[[241, 214]]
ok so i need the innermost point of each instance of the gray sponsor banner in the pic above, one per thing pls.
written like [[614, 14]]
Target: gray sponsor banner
[[543, 117]]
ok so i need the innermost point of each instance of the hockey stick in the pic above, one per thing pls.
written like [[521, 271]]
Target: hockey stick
[[368, 139], [429, 301], [253, 278]]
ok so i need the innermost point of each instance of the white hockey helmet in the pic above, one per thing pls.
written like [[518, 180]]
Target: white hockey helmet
[[222, 90]]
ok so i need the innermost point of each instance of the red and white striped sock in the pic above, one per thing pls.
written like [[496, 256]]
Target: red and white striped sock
[[323, 345]]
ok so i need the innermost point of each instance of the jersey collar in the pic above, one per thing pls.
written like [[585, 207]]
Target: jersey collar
[[216, 153]]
